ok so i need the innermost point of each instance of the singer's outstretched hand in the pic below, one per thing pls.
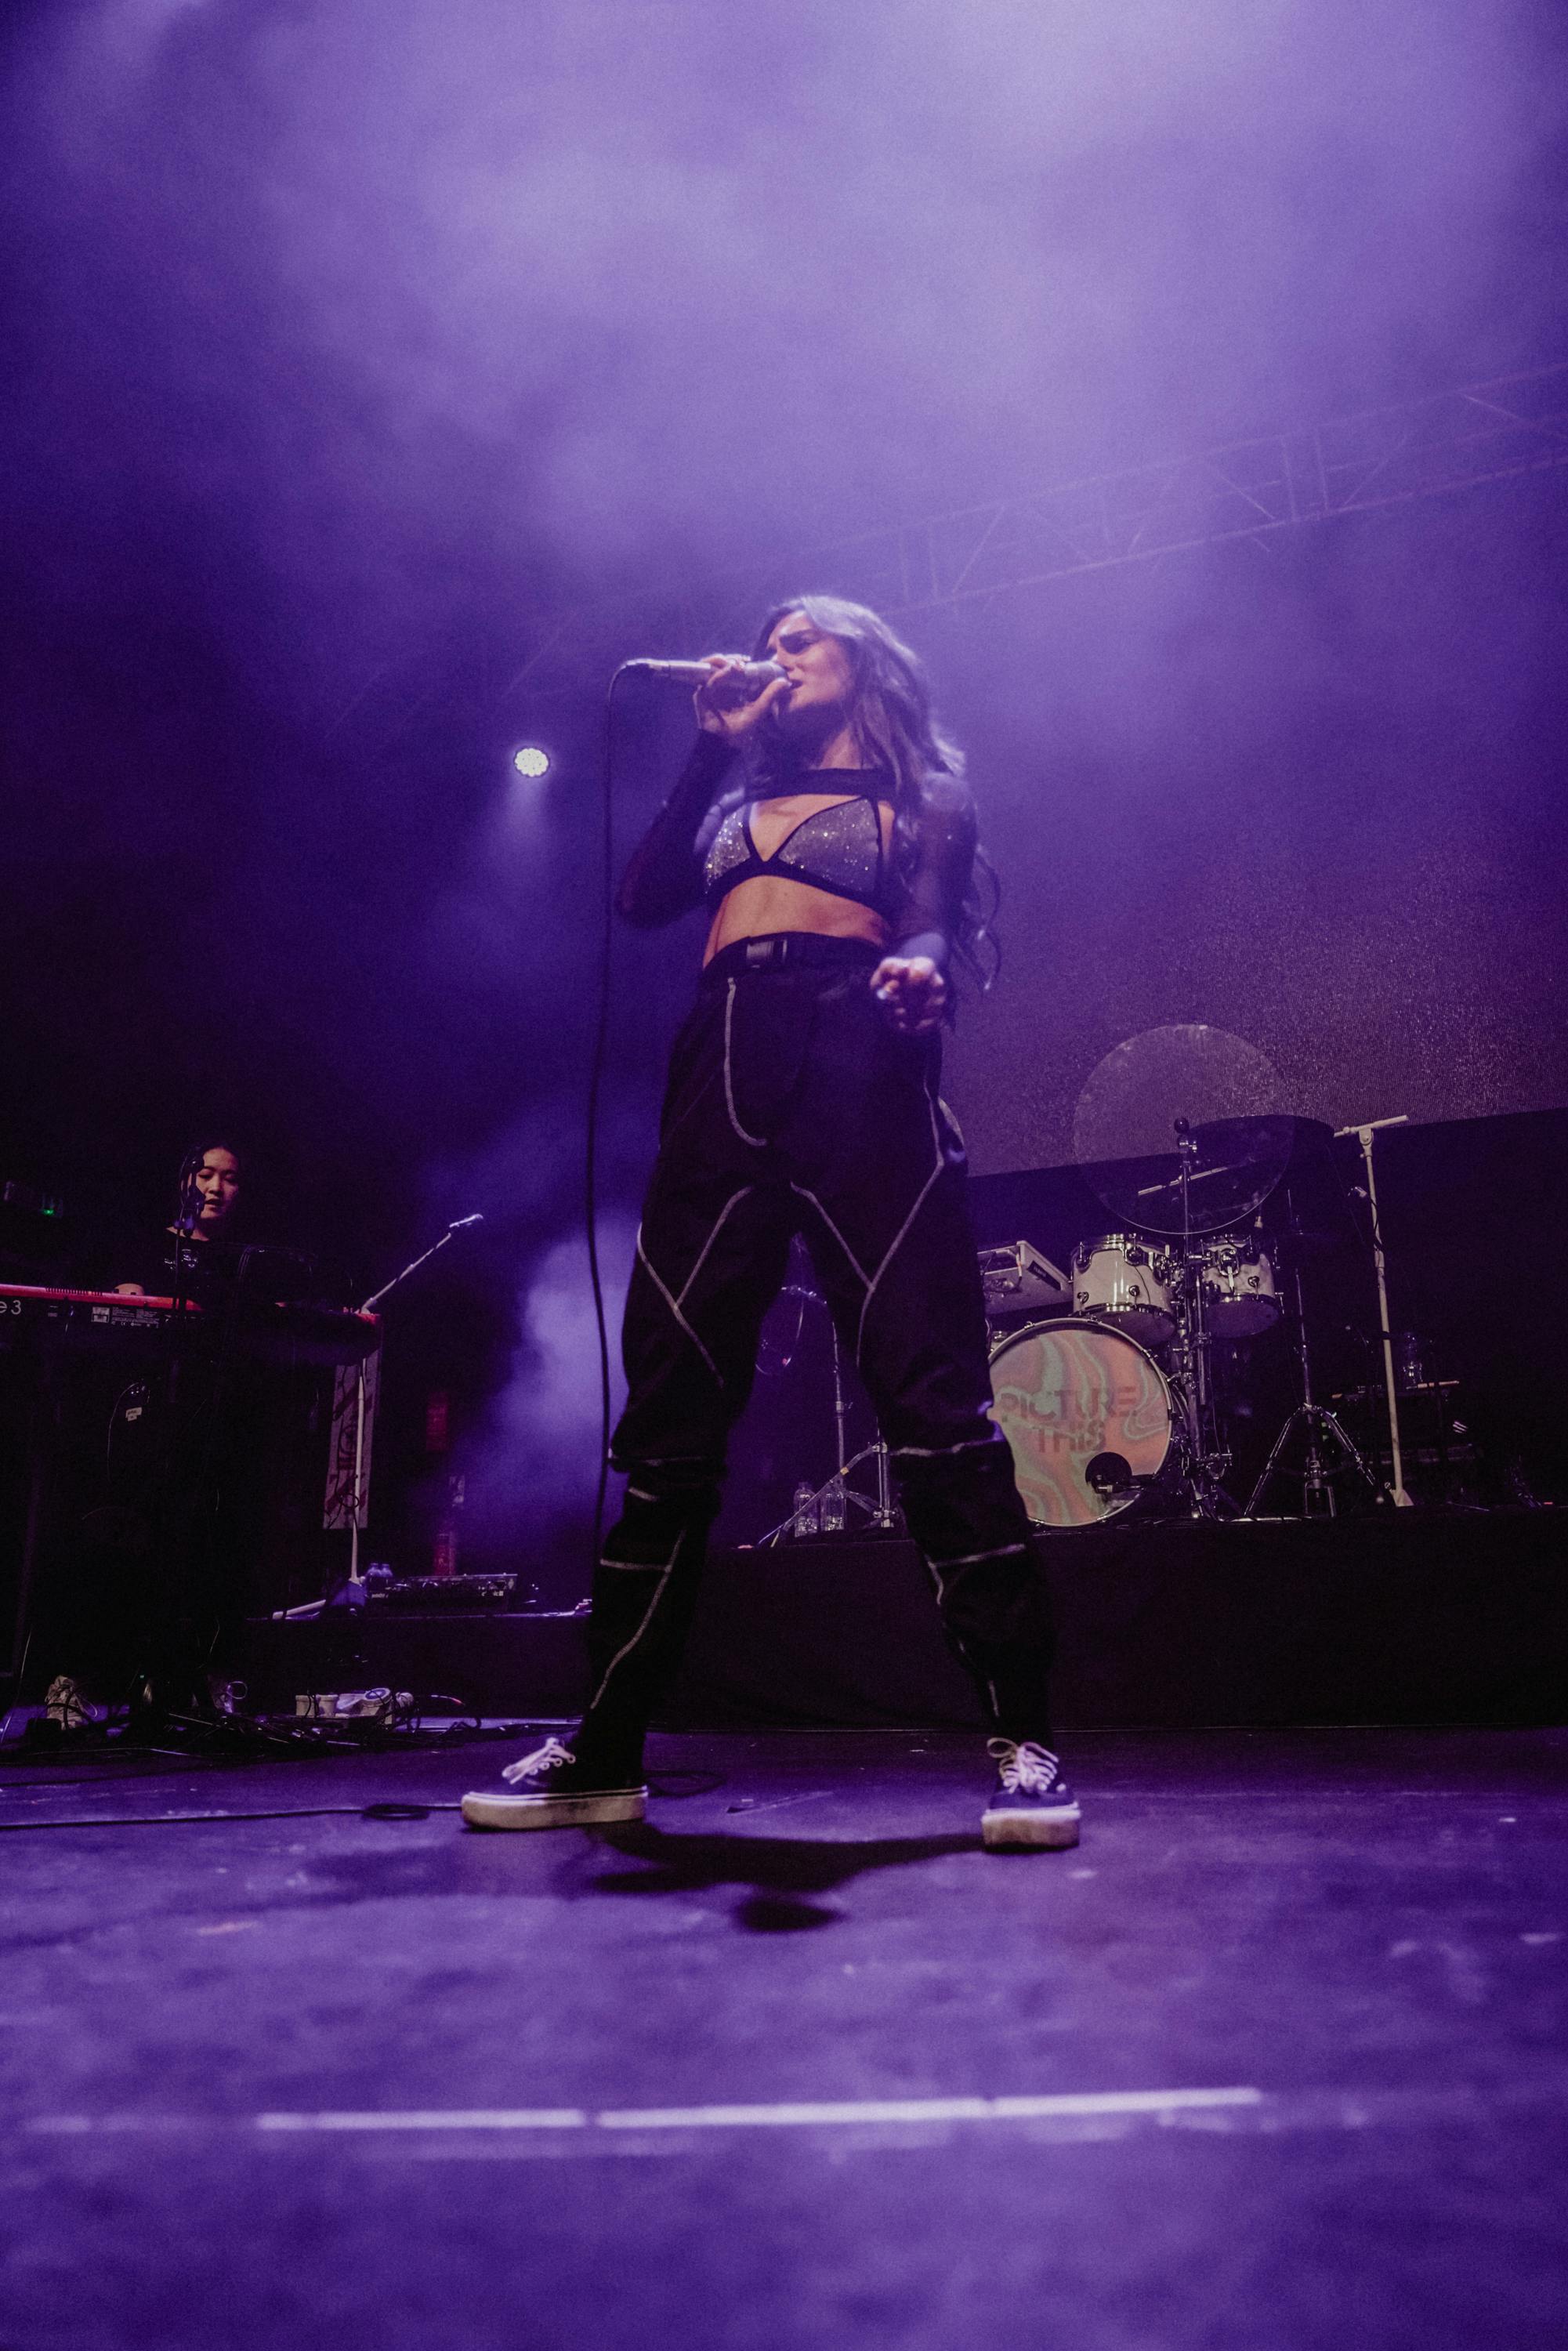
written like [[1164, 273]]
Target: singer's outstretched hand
[[725, 711], [912, 991]]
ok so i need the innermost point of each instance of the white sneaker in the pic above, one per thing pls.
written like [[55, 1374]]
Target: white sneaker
[[1032, 1804]]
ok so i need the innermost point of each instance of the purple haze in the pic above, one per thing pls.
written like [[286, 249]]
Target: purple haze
[[352, 343]]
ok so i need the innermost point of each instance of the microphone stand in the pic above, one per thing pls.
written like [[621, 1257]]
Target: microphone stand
[[357, 1506], [175, 1494], [187, 1216], [1363, 1135], [352, 1591]]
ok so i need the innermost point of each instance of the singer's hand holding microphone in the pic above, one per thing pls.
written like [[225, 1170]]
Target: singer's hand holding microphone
[[733, 694]]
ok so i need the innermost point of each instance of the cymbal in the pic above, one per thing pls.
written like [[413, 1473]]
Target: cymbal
[[1193, 1081], [1188, 1070], [1231, 1166]]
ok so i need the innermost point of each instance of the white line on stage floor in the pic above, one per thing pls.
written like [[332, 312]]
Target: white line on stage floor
[[794, 2114], [789, 2115]]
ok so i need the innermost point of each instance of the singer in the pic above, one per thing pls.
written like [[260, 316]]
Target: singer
[[825, 823]]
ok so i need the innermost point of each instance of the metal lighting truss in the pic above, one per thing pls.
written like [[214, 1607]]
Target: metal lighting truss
[[1351, 465], [1354, 465]]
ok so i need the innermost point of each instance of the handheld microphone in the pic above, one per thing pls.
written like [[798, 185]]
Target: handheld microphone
[[747, 682]]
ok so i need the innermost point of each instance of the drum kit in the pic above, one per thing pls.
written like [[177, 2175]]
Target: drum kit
[[1113, 1403], [1105, 1378]]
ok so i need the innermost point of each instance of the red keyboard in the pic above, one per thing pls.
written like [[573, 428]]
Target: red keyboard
[[277, 1331]]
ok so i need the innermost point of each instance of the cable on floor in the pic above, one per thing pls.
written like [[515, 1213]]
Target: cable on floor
[[381, 1811]]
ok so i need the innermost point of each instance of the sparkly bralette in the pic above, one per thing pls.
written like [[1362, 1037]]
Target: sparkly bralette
[[836, 848]]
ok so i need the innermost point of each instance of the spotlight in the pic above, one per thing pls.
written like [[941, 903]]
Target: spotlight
[[530, 760]]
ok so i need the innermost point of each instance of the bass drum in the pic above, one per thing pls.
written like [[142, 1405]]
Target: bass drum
[[1090, 1418]]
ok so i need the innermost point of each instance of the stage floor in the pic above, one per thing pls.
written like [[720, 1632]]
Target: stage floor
[[1283, 2040]]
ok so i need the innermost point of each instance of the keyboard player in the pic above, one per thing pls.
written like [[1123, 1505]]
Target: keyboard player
[[142, 1595], [195, 1255]]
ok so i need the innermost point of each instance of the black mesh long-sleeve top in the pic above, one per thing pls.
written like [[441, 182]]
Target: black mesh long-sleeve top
[[700, 846]]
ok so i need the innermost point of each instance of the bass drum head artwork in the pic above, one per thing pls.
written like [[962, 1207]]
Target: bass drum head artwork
[[1088, 1416]]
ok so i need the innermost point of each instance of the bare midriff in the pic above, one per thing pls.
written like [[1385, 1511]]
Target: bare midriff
[[768, 902]]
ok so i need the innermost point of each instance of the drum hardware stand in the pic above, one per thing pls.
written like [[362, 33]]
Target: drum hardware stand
[[1317, 1472], [879, 1507], [1363, 1135], [880, 1510], [1208, 1459]]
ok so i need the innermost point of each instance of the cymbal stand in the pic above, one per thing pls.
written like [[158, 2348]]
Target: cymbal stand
[[1208, 1459], [1320, 1428]]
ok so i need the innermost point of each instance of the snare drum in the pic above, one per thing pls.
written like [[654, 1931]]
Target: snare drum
[[1239, 1287], [1088, 1416], [1119, 1279]]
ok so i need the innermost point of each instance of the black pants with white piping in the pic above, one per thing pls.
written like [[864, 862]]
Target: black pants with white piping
[[792, 1106]]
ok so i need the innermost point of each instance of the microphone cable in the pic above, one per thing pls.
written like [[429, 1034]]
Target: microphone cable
[[598, 1055]]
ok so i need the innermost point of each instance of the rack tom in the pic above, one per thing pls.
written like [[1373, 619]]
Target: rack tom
[[1239, 1290], [1121, 1280]]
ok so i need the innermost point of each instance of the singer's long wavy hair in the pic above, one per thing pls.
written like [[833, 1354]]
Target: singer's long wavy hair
[[890, 710]]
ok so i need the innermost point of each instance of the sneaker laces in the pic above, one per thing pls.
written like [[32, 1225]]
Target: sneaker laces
[[1027, 1767], [63, 1704], [547, 1757]]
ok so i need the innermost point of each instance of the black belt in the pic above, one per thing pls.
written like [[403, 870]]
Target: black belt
[[801, 948]]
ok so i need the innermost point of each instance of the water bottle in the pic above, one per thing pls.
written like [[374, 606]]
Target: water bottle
[[831, 1515], [805, 1511]]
